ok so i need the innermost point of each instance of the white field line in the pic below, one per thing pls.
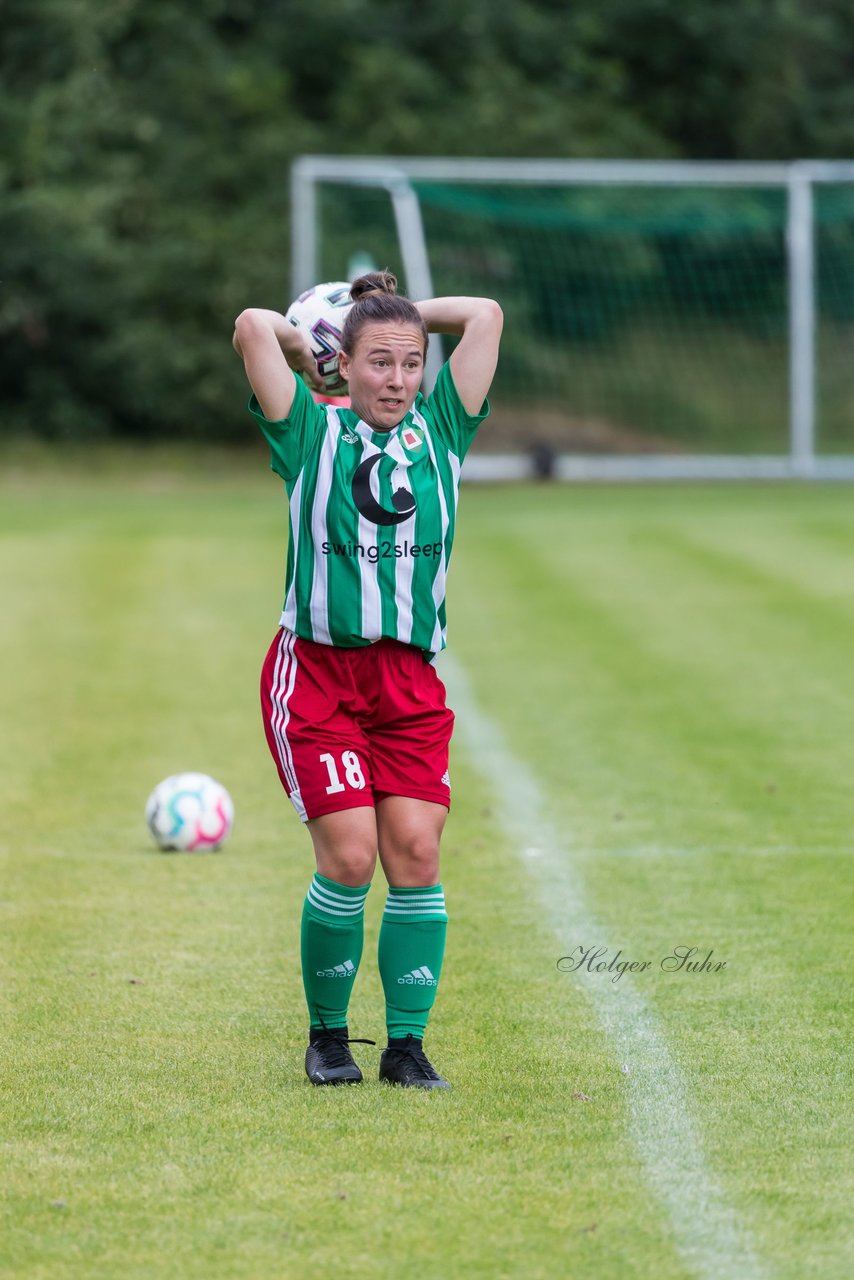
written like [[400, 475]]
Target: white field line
[[705, 1227], [739, 851]]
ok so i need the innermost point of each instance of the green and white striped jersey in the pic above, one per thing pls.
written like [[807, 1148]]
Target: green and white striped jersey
[[371, 517]]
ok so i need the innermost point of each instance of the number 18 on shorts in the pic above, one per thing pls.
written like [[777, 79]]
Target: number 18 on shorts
[[346, 727], [353, 775]]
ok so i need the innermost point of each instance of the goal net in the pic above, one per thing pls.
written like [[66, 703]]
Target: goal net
[[649, 325]]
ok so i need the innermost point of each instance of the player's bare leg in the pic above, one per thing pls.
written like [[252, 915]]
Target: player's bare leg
[[345, 845]]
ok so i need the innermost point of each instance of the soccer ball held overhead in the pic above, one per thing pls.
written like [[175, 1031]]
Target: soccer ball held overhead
[[320, 313]]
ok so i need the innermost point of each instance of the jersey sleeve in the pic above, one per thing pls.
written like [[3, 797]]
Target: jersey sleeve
[[449, 416], [291, 439]]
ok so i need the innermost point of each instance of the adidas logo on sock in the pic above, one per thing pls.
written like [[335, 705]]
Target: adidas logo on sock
[[345, 970], [418, 978]]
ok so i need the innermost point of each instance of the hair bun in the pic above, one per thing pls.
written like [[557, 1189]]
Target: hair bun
[[372, 284]]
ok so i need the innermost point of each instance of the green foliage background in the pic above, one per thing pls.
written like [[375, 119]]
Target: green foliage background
[[143, 179]]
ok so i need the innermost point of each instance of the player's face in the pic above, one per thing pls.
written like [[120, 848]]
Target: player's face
[[384, 372]]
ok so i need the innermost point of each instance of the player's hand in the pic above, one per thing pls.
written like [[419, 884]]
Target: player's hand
[[300, 358]]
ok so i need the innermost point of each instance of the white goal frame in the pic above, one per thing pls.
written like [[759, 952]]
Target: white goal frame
[[798, 179]]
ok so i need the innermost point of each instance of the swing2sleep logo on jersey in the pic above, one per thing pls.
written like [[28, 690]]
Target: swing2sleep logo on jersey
[[403, 502], [383, 550]]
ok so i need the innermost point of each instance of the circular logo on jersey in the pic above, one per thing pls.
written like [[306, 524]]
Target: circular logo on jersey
[[402, 500]]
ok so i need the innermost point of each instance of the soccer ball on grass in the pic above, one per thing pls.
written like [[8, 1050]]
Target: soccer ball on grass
[[189, 813], [320, 314]]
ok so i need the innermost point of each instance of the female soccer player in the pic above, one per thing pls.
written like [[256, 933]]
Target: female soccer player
[[354, 711]]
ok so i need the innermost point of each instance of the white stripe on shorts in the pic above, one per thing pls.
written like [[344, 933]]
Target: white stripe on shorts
[[284, 679]]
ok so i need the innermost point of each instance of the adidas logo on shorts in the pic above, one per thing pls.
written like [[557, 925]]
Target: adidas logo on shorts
[[446, 778], [345, 970], [418, 978]]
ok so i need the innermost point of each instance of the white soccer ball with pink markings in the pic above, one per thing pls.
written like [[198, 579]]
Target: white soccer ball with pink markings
[[190, 813], [319, 314]]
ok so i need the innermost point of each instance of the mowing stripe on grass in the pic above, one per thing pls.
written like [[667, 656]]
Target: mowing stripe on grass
[[706, 1230]]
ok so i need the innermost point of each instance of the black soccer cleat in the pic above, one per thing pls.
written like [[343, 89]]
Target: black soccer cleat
[[328, 1059], [404, 1062]]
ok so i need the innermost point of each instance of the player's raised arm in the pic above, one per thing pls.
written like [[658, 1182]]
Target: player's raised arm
[[479, 322], [271, 351]]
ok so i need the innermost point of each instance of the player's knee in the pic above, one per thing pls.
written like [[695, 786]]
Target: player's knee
[[349, 861], [345, 845], [416, 861], [352, 867]]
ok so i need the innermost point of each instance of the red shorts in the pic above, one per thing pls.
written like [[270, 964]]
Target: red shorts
[[349, 726]]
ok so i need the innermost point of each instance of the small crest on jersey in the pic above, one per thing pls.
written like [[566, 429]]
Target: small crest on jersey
[[349, 438], [412, 438]]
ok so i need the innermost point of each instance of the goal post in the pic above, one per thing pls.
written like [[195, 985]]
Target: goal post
[[664, 320]]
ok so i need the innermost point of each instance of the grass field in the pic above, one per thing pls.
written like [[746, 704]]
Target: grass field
[[655, 695]]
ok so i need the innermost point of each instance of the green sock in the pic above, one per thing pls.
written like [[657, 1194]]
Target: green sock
[[333, 919], [412, 944]]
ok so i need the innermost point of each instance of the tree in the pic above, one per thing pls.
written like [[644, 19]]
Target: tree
[[144, 197]]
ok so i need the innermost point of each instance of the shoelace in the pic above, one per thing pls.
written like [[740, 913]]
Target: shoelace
[[416, 1054], [334, 1048]]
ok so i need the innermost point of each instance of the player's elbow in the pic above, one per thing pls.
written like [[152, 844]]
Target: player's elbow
[[248, 326], [493, 310], [491, 316]]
